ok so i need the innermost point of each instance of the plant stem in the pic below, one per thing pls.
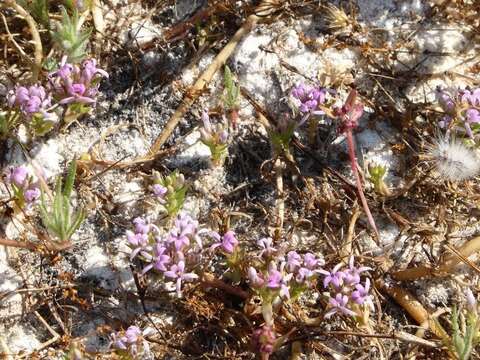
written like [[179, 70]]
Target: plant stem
[[209, 280], [353, 161]]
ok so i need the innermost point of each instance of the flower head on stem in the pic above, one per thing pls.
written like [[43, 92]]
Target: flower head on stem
[[349, 115], [215, 137]]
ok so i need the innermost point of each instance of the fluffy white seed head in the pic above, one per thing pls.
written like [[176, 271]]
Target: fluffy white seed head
[[453, 160]]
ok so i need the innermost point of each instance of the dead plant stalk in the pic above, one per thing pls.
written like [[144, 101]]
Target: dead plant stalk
[[446, 267]]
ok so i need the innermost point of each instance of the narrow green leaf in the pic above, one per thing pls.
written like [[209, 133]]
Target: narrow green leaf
[[70, 180], [78, 219]]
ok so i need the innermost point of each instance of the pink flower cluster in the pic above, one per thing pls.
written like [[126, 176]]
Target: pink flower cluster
[[283, 275], [25, 189], [462, 105], [226, 242], [175, 254], [72, 83], [307, 100], [346, 289], [31, 101], [131, 340]]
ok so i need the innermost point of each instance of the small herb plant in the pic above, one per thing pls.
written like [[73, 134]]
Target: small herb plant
[[70, 37], [25, 190], [231, 96], [216, 138], [465, 329], [170, 191], [377, 174], [58, 216]]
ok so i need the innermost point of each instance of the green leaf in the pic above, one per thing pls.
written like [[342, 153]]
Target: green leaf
[[69, 36], [72, 170], [60, 220]]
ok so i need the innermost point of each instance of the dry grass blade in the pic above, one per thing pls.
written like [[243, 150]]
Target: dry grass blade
[[413, 307]]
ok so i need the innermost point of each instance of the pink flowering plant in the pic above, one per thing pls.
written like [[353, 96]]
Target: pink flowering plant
[[76, 86], [71, 91], [227, 245], [174, 256], [26, 190], [169, 191], [461, 109], [131, 343], [31, 105], [307, 103], [276, 278], [346, 293], [215, 136], [67, 93]]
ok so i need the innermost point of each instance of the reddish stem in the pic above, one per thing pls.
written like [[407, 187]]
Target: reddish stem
[[49, 245], [17, 244], [209, 280], [353, 161]]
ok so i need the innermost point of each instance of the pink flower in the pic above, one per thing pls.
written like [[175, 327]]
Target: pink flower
[[74, 84], [18, 176], [177, 271], [339, 304], [361, 294], [228, 242], [352, 274], [293, 261], [255, 279], [267, 248], [31, 100], [335, 277], [32, 194], [159, 191]]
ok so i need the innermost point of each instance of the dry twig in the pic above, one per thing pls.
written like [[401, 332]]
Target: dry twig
[[447, 265]]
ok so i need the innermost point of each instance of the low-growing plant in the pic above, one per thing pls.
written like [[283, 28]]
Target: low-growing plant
[[174, 255], [130, 344], [57, 215], [216, 138], [178, 255], [377, 175], [38, 9], [461, 107], [231, 96], [465, 325], [170, 191], [26, 191], [70, 38], [76, 86]]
